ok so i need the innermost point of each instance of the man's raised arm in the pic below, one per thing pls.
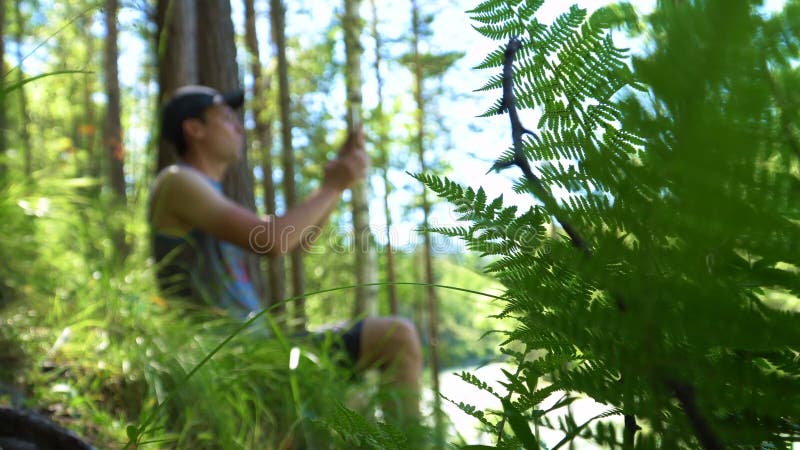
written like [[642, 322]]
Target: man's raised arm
[[191, 202]]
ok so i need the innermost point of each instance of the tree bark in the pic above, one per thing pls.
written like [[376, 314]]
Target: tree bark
[[85, 129], [177, 57], [262, 114], [217, 68], [383, 151], [3, 72], [278, 16], [112, 130], [25, 135], [433, 320], [365, 304]]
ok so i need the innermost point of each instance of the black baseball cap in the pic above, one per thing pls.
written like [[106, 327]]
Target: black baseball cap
[[190, 102]]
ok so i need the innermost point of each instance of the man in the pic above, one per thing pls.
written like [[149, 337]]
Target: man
[[200, 237]]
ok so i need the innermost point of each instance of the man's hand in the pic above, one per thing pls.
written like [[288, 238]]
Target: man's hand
[[350, 164]]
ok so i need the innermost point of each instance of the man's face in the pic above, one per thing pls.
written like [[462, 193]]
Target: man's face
[[222, 133]]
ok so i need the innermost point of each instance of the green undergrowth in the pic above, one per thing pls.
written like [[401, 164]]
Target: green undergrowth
[[87, 341]]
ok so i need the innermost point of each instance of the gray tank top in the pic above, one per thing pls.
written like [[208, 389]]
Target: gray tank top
[[203, 269]]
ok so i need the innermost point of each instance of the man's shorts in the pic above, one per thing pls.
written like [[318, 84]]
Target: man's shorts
[[344, 339]]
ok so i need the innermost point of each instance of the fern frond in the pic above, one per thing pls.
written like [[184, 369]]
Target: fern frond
[[472, 411], [686, 197], [492, 60], [478, 383]]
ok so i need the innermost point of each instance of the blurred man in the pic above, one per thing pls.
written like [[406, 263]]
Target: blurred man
[[200, 236]]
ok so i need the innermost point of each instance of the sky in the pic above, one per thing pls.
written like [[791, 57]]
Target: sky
[[476, 142], [473, 143]]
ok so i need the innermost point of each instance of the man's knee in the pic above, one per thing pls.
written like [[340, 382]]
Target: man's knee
[[405, 338], [390, 338]]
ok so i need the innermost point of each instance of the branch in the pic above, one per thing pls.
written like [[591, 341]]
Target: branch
[[545, 196], [682, 391], [631, 427], [517, 131], [685, 395]]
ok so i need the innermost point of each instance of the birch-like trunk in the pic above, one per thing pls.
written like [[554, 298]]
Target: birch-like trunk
[[364, 247], [433, 319], [383, 150], [263, 117], [278, 16]]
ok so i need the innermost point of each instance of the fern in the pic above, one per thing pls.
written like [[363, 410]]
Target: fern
[[685, 201], [353, 430]]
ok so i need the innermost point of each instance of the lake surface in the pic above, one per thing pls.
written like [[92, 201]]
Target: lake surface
[[454, 388]]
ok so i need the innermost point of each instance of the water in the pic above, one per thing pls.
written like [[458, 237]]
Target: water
[[454, 388]]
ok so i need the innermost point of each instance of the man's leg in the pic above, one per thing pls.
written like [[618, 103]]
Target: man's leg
[[392, 345]]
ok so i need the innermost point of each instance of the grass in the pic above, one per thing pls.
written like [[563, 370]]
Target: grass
[[88, 342]]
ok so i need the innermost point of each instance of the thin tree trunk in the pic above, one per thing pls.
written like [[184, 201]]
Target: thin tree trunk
[[177, 57], [365, 304], [217, 68], [278, 16], [86, 128], [3, 73], [25, 135], [262, 115], [112, 131], [383, 150], [418, 302], [433, 319]]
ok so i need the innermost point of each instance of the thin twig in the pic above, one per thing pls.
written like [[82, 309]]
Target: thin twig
[[631, 427], [517, 131]]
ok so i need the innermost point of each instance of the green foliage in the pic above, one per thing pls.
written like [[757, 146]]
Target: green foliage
[[467, 333], [84, 336], [350, 430], [686, 196], [90, 342]]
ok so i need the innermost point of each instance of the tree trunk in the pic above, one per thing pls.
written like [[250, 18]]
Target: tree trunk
[[25, 135], [278, 16], [112, 131], [177, 57], [216, 55], [262, 115], [365, 304], [85, 130], [433, 320], [3, 125], [383, 150]]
